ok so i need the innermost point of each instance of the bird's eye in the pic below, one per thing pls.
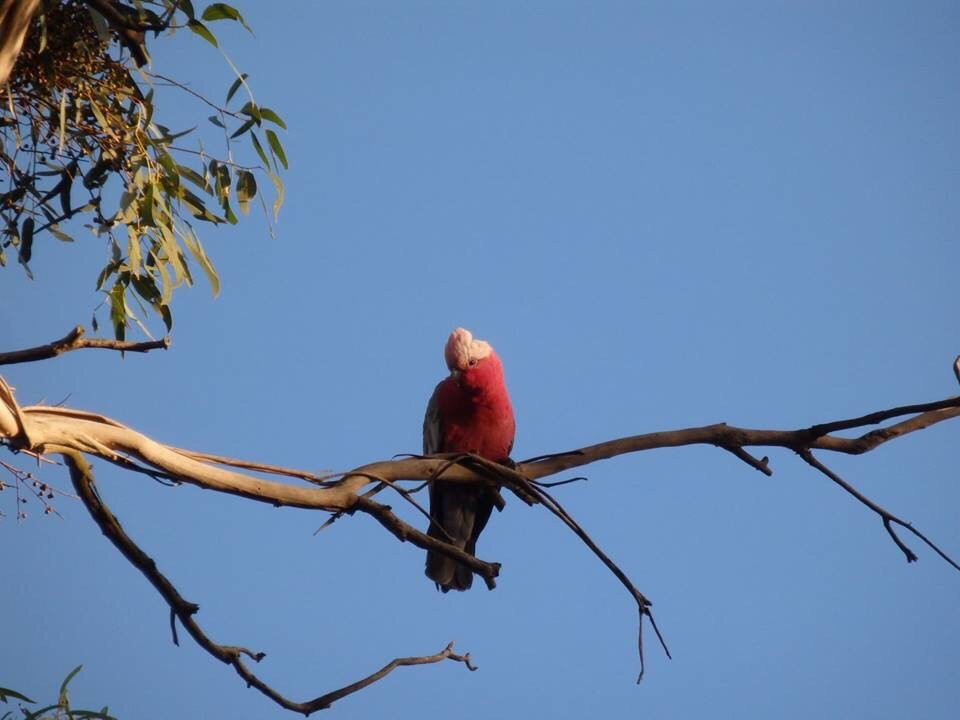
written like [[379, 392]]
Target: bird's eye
[[472, 363]]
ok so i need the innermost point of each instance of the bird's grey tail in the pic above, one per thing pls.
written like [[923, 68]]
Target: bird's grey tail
[[446, 572], [462, 511]]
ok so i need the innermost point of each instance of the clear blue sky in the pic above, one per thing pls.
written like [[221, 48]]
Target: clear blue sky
[[661, 215]]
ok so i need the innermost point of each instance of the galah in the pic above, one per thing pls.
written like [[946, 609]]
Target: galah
[[469, 411]]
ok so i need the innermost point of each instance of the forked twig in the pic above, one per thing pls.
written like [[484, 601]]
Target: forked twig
[[889, 519], [82, 477]]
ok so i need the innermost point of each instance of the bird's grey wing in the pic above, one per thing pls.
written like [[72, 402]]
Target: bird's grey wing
[[452, 507], [431, 425]]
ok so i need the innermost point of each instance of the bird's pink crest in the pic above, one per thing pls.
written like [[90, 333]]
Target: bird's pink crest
[[462, 348]]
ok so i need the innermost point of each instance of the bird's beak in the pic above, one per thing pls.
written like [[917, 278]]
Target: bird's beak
[[456, 374]]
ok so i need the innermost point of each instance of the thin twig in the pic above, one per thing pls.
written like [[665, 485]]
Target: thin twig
[[200, 153], [761, 464], [889, 519], [188, 89], [643, 604], [405, 494], [558, 483], [323, 480]]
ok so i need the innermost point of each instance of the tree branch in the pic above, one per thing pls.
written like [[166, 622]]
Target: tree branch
[[41, 429], [81, 476], [74, 340]]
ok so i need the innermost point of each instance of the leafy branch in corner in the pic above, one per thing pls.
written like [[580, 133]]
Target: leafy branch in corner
[[82, 138]]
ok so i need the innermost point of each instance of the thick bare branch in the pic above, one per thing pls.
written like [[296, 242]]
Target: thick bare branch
[[33, 428], [74, 340], [729, 436], [82, 477]]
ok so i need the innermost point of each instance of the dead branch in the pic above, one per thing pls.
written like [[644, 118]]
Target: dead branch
[[74, 340], [82, 478], [35, 428]]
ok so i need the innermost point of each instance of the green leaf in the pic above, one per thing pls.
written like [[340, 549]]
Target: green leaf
[[7, 693], [228, 213], [186, 7], [62, 698], [98, 114], [107, 271], [100, 24], [250, 108], [200, 29], [118, 310], [170, 137], [166, 287], [170, 168], [216, 121], [146, 288], [146, 206], [278, 200], [268, 114], [26, 241], [133, 249], [194, 177], [221, 177], [243, 128], [259, 148], [65, 185], [59, 234], [236, 86], [196, 249], [197, 208], [222, 11], [167, 317], [171, 254], [277, 148], [246, 190]]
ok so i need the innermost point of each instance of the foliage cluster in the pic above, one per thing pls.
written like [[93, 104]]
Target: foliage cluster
[[81, 138]]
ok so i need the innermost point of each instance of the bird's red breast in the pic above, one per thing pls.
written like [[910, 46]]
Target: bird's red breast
[[475, 411]]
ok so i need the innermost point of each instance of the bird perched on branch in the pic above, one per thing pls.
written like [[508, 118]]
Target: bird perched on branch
[[469, 411]]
